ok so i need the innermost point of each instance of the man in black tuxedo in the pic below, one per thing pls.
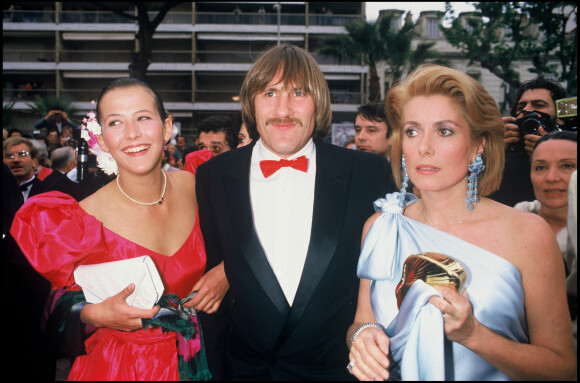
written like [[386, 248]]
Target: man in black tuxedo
[[63, 160], [24, 290], [21, 158], [289, 238]]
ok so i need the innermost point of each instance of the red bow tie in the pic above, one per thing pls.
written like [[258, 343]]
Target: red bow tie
[[270, 167]]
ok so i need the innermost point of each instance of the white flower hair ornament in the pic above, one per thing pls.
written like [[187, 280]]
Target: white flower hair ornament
[[90, 129]]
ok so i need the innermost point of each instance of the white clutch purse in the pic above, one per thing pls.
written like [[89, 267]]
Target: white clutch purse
[[102, 280]]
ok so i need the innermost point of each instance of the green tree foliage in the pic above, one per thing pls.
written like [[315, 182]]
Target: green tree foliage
[[399, 53], [553, 20], [362, 40], [376, 42], [8, 116], [43, 104], [497, 34]]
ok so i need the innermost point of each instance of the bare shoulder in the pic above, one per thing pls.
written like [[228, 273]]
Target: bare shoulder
[[372, 220], [525, 239], [183, 178], [181, 188], [94, 203], [369, 223], [527, 226]]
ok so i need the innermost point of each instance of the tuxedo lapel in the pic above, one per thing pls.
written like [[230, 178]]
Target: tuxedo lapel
[[36, 188], [237, 188]]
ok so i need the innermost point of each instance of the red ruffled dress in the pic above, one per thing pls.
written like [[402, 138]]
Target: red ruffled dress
[[56, 235]]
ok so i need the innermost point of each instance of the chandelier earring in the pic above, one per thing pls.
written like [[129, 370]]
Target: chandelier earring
[[475, 168], [404, 184]]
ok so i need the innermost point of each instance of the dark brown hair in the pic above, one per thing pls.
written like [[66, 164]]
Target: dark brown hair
[[126, 82]]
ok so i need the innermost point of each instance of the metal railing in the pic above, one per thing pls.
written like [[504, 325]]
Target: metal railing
[[168, 95], [95, 56], [216, 96], [249, 18], [333, 20], [241, 57], [20, 16], [108, 17], [173, 56], [40, 55], [26, 95], [94, 17]]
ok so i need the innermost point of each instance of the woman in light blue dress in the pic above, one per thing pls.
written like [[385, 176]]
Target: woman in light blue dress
[[511, 320]]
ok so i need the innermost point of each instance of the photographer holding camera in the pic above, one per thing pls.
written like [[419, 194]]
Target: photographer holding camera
[[56, 118], [532, 116]]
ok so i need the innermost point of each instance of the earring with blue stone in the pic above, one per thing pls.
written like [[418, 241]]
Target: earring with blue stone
[[404, 184], [475, 168]]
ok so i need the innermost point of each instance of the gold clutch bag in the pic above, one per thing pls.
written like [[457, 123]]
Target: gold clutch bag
[[434, 269]]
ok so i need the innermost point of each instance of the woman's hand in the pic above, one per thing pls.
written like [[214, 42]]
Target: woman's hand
[[115, 313], [211, 287], [458, 318], [369, 355]]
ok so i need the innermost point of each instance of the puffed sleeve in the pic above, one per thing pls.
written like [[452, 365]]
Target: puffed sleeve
[[56, 235]]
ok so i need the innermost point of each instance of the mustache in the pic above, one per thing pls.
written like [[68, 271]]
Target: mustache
[[283, 121]]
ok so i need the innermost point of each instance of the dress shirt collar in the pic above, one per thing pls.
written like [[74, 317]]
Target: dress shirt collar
[[28, 182], [264, 154]]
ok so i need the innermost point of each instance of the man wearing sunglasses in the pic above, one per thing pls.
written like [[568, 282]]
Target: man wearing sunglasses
[[20, 156]]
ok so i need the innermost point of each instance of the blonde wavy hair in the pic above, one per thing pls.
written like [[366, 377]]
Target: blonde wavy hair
[[473, 102]]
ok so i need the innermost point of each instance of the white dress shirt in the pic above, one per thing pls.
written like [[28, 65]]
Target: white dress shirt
[[282, 206], [72, 175], [28, 183]]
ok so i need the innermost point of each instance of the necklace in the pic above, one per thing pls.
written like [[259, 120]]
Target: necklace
[[145, 203], [445, 224]]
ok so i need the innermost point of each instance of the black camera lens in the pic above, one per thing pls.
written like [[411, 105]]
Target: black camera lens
[[531, 122], [531, 126]]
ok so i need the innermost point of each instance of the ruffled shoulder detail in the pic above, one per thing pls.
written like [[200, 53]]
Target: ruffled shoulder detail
[[377, 259], [194, 159], [56, 234], [390, 204]]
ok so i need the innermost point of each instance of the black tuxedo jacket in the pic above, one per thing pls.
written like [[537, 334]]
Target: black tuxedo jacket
[[57, 181], [37, 187], [20, 280], [266, 338]]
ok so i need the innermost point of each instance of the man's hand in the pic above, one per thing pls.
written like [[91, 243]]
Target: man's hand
[[511, 133], [531, 139], [212, 287], [51, 113]]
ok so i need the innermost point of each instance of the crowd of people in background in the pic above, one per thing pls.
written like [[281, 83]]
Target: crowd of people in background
[[285, 245]]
